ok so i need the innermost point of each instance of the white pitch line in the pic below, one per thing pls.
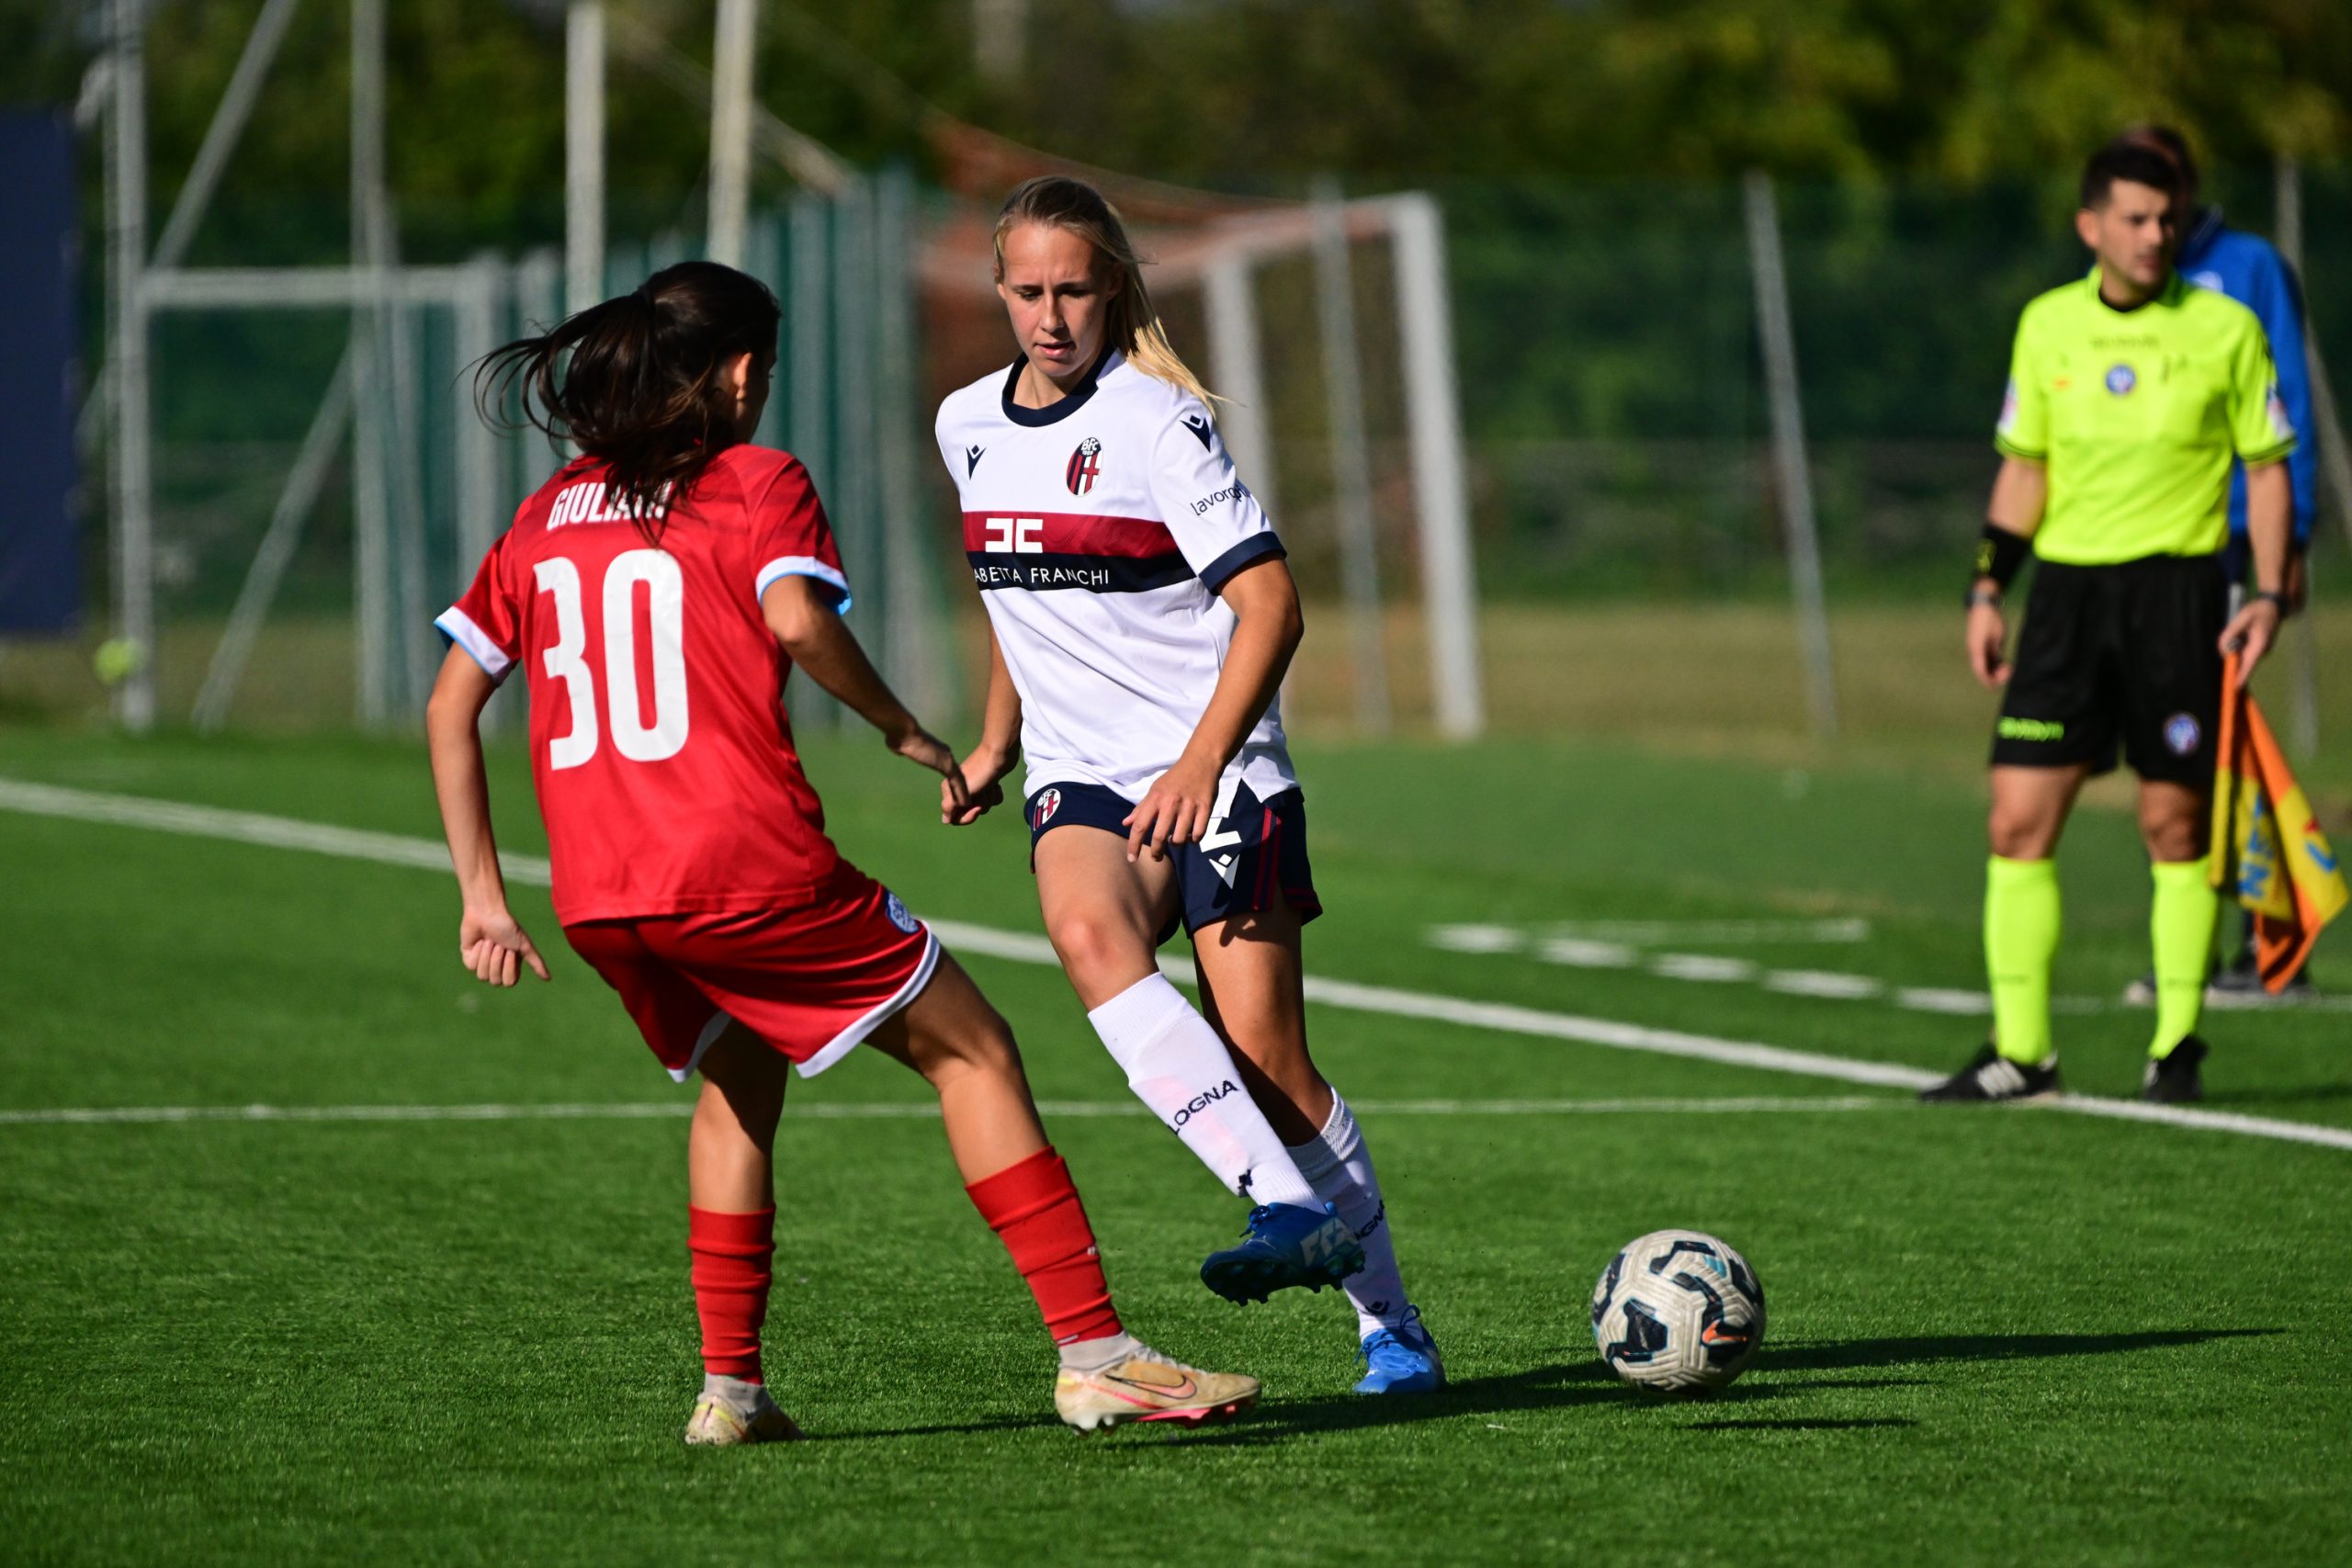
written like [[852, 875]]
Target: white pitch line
[[2204, 1121], [1729, 1105], [1705, 968], [1829, 982], [48, 800], [1580, 953], [247, 828], [1649, 933], [1936, 998], [1512, 1019], [901, 1111]]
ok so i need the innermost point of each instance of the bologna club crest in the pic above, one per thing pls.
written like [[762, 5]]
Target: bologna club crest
[[1085, 465]]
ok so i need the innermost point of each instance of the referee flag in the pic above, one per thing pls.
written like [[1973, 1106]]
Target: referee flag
[[2266, 841]]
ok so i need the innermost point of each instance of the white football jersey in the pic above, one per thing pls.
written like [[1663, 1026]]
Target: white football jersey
[[1098, 532]]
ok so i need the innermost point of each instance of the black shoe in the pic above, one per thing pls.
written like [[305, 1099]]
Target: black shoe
[[2240, 986], [1991, 1079], [2172, 1078]]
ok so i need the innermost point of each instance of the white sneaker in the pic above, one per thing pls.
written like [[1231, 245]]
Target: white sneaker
[[1150, 1387], [719, 1423]]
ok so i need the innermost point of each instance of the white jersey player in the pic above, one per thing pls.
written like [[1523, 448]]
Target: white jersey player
[[1100, 531], [1142, 617]]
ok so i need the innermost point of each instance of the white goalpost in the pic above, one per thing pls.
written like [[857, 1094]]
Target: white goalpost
[[1222, 260], [430, 485]]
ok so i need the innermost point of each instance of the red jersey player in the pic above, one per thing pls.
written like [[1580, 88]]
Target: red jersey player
[[655, 592]]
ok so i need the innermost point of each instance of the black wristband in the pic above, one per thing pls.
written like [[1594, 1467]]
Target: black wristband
[[2000, 553], [2277, 603]]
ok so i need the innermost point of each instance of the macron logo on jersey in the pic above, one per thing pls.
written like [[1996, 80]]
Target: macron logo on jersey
[[1200, 429], [972, 455]]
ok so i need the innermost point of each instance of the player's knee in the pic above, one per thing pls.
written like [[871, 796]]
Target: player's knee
[[989, 1046], [2172, 823], [2170, 838], [1091, 943], [980, 1042], [739, 1110], [2017, 834]]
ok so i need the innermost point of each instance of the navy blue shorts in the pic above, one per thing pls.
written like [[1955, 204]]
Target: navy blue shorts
[[1254, 853]]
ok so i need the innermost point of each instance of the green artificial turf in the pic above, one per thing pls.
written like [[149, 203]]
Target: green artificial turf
[[1994, 1336]]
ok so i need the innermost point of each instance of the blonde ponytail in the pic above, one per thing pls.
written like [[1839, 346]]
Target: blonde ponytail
[[1059, 202]]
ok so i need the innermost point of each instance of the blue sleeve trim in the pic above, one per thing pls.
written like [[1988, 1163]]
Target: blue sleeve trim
[[1249, 552], [458, 630], [803, 566]]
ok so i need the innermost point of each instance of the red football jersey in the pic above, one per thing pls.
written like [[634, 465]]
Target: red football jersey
[[660, 746]]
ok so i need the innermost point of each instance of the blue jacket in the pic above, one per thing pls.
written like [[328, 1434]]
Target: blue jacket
[[2249, 269]]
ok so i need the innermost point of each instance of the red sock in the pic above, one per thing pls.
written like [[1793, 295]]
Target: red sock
[[1034, 1209], [732, 1254]]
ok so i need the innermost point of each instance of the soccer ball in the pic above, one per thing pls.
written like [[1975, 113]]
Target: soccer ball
[[1677, 1310]]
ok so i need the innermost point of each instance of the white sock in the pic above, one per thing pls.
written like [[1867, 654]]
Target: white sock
[[738, 1395], [1178, 1065], [1339, 1166], [1093, 1355]]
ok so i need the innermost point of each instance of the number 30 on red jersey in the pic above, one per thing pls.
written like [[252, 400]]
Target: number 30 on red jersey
[[624, 720]]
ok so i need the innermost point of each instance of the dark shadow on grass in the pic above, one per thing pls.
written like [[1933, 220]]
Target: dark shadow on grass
[[1915, 1351], [1543, 1388], [1562, 1385], [943, 1430], [1801, 1424]]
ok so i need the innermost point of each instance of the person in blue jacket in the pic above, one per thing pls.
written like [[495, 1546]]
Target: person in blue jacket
[[2249, 269]]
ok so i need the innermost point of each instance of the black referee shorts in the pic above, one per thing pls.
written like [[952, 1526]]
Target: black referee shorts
[[2119, 656]]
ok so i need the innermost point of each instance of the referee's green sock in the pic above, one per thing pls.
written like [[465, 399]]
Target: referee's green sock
[[2020, 940], [2180, 923]]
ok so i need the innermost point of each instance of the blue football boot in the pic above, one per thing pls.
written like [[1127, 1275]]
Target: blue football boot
[[1286, 1245], [1402, 1360]]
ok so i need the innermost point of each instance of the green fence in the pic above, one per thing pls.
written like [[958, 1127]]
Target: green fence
[[1612, 396]]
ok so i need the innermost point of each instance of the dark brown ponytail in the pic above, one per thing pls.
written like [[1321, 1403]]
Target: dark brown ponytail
[[636, 382]]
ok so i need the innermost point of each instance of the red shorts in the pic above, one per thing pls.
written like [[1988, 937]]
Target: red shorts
[[812, 982]]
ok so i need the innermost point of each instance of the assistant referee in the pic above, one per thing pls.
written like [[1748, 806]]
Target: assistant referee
[[2129, 394]]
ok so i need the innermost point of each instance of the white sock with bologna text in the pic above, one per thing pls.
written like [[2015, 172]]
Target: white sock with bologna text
[[1339, 1166], [1179, 1068]]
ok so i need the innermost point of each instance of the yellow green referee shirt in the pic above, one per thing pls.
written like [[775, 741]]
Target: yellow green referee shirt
[[2137, 414]]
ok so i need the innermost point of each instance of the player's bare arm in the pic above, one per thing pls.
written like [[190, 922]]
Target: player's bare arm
[[999, 749], [1266, 633], [801, 614], [490, 942], [2020, 492], [2269, 527]]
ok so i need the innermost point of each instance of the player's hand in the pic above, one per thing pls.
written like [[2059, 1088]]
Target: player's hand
[[1175, 810], [1986, 635], [2249, 636], [980, 771], [923, 748], [491, 944]]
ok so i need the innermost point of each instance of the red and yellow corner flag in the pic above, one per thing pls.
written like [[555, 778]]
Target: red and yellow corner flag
[[2266, 841]]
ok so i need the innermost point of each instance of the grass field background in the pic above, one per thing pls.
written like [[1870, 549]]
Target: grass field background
[[1713, 679], [1994, 1336]]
